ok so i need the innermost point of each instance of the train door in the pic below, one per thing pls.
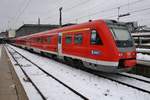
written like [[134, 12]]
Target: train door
[[59, 44]]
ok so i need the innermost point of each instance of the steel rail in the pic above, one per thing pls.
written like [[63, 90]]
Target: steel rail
[[30, 80], [76, 92]]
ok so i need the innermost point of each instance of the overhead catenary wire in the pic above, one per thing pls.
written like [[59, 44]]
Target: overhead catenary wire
[[123, 5], [22, 4], [18, 11], [76, 5], [136, 12], [69, 8], [104, 11], [11, 20], [96, 13], [139, 10], [54, 8], [20, 14]]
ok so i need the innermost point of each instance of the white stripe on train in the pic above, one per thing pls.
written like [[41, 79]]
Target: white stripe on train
[[98, 62]]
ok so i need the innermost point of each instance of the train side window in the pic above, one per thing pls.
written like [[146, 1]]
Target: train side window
[[95, 38], [45, 40], [38, 39], [78, 38], [41, 39], [49, 39], [68, 39], [35, 40]]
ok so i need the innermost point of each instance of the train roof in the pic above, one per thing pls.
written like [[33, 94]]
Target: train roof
[[76, 26], [63, 28]]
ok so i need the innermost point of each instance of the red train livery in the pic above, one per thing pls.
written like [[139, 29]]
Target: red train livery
[[104, 45]]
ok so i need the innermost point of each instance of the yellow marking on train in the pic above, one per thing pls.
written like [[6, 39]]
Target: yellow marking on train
[[84, 29]]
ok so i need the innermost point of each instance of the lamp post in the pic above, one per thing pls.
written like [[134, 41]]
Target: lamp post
[[60, 16]]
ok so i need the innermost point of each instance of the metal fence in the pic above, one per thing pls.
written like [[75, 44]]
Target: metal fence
[[142, 40]]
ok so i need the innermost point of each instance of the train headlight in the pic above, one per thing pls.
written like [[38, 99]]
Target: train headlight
[[128, 54], [120, 54]]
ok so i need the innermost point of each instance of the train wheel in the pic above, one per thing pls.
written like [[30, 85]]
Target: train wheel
[[69, 61], [54, 57], [42, 53], [78, 64]]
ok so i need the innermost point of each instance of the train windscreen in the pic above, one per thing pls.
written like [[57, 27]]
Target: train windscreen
[[121, 35]]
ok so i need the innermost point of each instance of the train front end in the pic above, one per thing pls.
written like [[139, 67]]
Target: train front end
[[125, 44]]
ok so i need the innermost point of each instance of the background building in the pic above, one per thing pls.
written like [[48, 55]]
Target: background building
[[27, 29], [3, 34], [11, 33]]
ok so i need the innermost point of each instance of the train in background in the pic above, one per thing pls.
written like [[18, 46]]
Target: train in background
[[103, 45]]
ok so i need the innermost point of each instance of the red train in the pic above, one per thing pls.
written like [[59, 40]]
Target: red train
[[104, 45]]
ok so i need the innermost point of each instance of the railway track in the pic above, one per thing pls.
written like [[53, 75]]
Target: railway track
[[27, 76], [144, 79], [133, 82], [143, 63], [126, 80], [48, 74]]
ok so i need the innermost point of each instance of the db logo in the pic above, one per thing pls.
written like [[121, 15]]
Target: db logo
[[95, 52]]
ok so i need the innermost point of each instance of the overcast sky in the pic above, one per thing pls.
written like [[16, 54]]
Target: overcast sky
[[14, 13]]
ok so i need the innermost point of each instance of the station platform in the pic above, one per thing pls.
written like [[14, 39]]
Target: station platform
[[10, 86]]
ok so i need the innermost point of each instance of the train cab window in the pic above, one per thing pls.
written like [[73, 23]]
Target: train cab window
[[78, 38], [95, 39], [68, 39], [49, 39]]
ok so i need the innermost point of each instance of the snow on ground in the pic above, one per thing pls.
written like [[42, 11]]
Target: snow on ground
[[130, 81], [143, 59], [51, 89], [137, 76], [141, 56], [94, 87], [29, 89], [142, 50]]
